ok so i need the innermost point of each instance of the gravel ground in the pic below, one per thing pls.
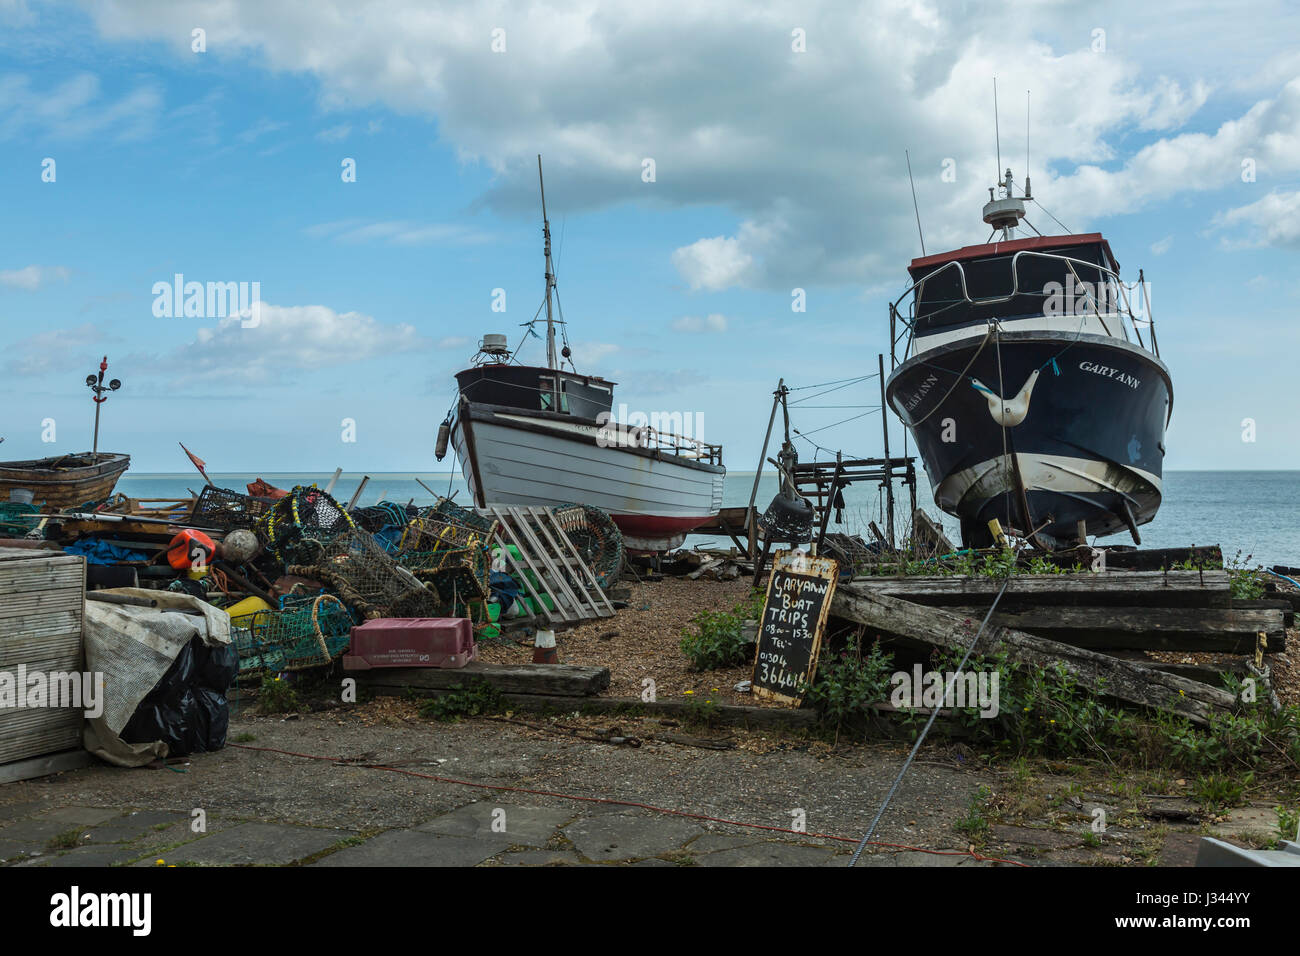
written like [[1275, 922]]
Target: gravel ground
[[644, 640]]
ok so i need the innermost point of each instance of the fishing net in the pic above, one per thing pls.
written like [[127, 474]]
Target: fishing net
[[446, 510], [453, 559], [17, 518], [367, 577], [385, 514], [227, 510], [306, 632], [300, 523]]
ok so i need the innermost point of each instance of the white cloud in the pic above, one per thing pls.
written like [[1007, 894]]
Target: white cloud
[[713, 264], [713, 322], [1273, 220], [31, 278], [1161, 246], [50, 350], [398, 232], [335, 134], [802, 149], [287, 339], [76, 109]]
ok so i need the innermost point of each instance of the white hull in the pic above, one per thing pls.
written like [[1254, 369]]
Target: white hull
[[526, 460]]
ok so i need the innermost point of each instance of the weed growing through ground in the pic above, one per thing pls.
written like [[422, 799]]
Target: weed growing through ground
[[474, 700], [716, 639], [277, 696]]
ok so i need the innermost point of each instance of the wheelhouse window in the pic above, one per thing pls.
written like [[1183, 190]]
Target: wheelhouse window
[[546, 387], [941, 304]]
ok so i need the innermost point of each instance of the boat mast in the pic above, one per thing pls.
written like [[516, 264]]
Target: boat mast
[[550, 276]]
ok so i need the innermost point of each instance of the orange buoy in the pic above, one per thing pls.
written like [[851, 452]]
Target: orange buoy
[[190, 549]]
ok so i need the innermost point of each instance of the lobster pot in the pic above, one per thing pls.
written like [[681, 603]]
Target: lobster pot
[[41, 602]]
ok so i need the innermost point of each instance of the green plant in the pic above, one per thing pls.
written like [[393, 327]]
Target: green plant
[[1288, 823], [702, 710], [244, 738], [716, 640], [66, 840], [277, 696], [848, 684], [1221, 791], [474, 700], [1246, 583], [974, 824]]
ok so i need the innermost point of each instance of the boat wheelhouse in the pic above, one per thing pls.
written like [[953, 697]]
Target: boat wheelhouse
[[1031, 384]]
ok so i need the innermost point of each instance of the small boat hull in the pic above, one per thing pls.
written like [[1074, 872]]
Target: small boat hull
[[66, 481], [1076, 420], [517, 457]]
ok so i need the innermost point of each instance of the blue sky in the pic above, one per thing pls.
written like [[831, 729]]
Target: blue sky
[[775, 169]]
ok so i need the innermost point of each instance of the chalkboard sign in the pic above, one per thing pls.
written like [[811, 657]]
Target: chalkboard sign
[[790, 630]]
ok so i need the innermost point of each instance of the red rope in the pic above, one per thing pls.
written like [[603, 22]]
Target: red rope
[[627, 803]]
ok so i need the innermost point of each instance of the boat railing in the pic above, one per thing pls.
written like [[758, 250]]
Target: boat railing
[[683, 446], [1118, 315]]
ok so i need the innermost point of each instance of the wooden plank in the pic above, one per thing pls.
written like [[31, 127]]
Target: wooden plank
[[560, 555], [928, 535], [45, 765], [523, 564], [1224, 630], [591, 585], [561, 680], [1143, 559], [1111, 589], [1124, 681]]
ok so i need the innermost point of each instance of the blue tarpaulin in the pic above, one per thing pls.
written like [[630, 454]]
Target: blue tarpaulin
[[98, 551]]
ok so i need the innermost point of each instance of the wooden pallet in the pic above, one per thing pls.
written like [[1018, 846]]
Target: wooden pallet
[[546, 551]]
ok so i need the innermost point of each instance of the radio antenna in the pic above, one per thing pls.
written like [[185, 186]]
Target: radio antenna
[[1026, 144], [997, 133], [915, 207]]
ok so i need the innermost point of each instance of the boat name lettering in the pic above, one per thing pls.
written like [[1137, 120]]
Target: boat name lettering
[[1124, 378], [921, 391]]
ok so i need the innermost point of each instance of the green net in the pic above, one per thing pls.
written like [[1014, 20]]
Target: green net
[[306, 632], [16, 518]]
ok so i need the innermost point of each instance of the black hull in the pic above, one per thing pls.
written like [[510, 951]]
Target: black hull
[[1089, 448]]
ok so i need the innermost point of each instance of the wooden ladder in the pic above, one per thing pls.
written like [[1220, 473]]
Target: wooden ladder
[[546, 551]]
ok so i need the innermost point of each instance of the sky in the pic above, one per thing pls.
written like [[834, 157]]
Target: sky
[[217, 141]]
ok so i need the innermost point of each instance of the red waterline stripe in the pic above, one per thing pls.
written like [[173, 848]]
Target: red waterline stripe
[[626, 803]]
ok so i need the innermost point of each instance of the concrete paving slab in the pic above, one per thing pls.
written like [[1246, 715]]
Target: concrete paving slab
[[132, 826], [102, 855], [540, 858], [768, 854], [254, 843], [416, 848], [623, 837], [81, 816], [524, 826], [1180, 848]]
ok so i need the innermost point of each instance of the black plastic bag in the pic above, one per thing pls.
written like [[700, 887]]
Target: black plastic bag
[[187, 709]]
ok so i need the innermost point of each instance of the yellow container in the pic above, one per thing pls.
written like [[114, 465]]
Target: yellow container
[[241, 614]]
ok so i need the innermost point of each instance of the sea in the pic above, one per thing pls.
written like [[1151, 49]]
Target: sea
[[1251, 512]]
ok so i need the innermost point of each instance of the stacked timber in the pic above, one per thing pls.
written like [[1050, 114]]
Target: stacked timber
[[1072, 620], [41, 599]]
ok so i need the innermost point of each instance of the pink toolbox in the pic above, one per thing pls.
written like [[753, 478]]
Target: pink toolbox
[[411, 642]]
